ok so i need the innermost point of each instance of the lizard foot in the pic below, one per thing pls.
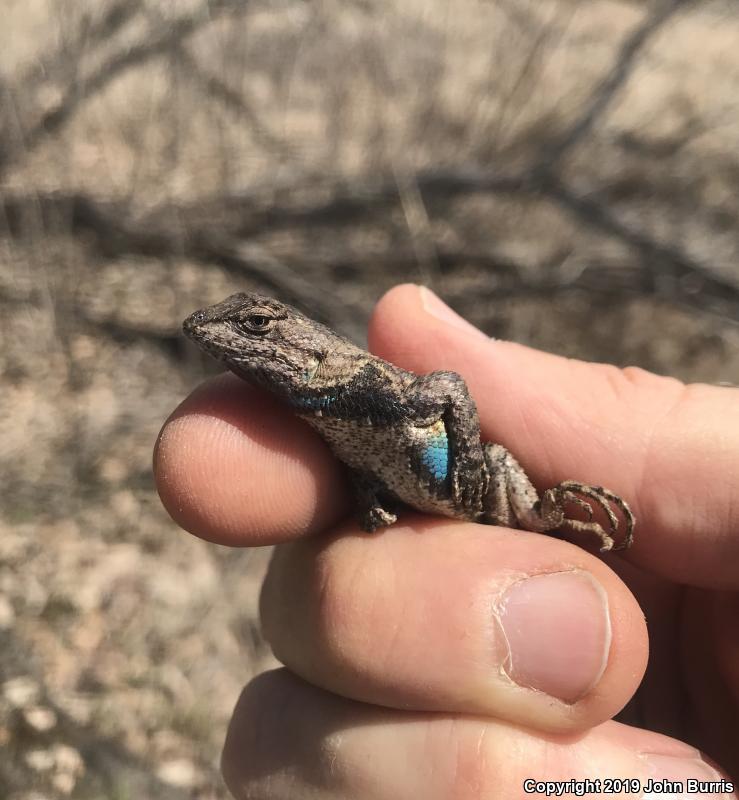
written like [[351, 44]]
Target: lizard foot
[[468, 489], [376, 517], [572, 492]]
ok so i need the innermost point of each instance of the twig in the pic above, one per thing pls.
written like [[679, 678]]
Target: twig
[[662, 270], [217, 89], [88, 32], [419, 227], [668, 270], [79, 92], [618, 74]]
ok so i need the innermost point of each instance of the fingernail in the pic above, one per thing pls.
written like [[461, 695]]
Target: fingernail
[[558, 633], [439, 309], [671, 777]]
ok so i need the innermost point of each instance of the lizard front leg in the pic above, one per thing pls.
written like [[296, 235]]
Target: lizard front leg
[[511, 499], [444, 396], [367, 491]]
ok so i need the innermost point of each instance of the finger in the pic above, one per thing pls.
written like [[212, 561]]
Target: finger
[[527, 628], [710, 671], [670, 450], [289, 739], [234, 467]]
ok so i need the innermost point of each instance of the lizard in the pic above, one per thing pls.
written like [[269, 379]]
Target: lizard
[[404, 437]]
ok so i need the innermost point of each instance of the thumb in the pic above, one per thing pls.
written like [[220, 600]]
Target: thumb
[[670, 450]]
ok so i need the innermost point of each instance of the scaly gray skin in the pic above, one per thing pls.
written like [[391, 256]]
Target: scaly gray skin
[[403, 436]]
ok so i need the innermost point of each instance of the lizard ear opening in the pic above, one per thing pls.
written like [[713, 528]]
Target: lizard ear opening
[[313, 368]]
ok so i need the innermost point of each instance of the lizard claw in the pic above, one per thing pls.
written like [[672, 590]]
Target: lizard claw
[[468, 491], [376, 517], [571, 497], [571, 492]]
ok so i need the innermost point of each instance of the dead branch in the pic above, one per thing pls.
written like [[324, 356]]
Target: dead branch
[[666, 270], [658, 269], [89, 34], [615, 79], [106, 227], [81, 90], [213, 87]]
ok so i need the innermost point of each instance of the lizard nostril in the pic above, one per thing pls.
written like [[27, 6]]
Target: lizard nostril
[[193, 321]]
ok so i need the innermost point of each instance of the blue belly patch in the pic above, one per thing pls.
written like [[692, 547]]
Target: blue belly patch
[[435, 453]]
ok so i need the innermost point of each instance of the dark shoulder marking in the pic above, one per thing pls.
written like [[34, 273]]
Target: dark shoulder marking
[[368, 395]]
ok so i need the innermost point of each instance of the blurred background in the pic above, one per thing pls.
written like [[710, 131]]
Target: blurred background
[[563, 173]]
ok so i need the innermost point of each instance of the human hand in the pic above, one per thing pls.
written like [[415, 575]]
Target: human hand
[[446, 659]]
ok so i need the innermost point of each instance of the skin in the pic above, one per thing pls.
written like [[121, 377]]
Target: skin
[[395, 684]]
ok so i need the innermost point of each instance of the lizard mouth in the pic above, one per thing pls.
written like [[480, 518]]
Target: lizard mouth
[[192, 327], [198, 327]]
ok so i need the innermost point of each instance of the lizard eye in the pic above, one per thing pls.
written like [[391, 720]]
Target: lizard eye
[[256, 323], [259, 321]]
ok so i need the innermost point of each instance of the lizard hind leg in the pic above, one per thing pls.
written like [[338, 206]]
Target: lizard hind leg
[[511, 500], [372, 512]]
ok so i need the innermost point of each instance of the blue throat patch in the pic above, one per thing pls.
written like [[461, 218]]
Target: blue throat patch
[[314, 403]]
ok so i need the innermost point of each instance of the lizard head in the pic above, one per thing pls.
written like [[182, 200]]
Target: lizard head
[[272, 344]]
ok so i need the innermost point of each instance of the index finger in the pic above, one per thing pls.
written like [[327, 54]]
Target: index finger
[[670, 450], [233, 466]]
